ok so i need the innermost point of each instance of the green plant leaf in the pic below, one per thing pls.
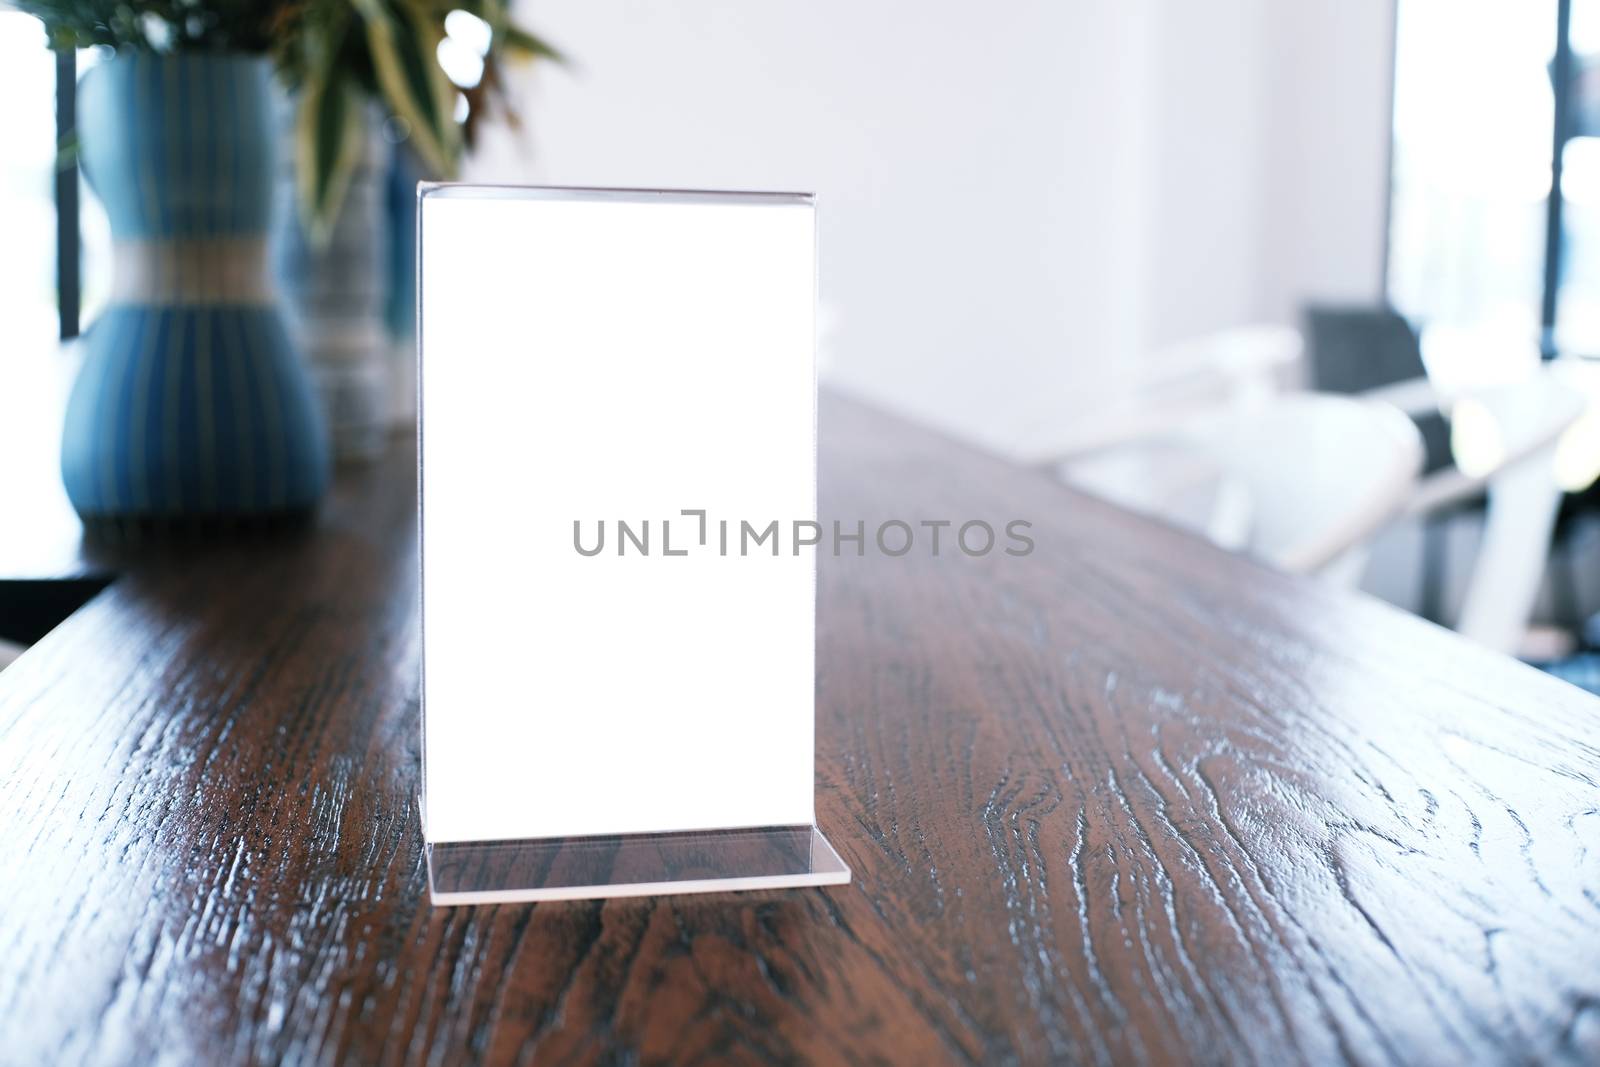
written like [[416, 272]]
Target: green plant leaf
[[68, 150], [405, 58], [520, 42], [497, 14], [328, 141]]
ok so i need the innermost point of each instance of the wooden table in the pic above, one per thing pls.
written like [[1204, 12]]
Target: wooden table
[[1126, 799]]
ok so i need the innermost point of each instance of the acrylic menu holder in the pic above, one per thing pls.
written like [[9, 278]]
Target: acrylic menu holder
[[617, 472]]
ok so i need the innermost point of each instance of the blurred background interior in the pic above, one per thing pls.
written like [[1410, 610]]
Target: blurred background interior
[[1319, 281]]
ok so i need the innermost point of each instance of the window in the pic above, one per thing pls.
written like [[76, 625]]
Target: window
[[27, 180], [29, 149], [1495, 210]]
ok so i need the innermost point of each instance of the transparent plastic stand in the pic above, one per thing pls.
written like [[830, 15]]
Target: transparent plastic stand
[[632, 865], [589, 355]]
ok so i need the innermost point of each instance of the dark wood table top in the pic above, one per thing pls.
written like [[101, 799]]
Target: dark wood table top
[[1125, 799]]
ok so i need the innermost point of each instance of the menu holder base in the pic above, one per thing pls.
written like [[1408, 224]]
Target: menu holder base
[[631, 865]]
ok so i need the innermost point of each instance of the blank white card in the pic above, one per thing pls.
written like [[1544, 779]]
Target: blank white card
[[593, 360]]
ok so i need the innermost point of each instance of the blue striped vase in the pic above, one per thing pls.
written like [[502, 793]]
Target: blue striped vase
[[192, 401]]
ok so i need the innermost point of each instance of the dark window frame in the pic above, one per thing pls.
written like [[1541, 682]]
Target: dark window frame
[[69, 239], [1561, 84]]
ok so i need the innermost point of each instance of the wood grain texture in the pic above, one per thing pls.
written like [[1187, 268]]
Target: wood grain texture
[[1126, 799]]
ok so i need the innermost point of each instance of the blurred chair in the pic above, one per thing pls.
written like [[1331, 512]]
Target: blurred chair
[[1217, 372], [1376, 352], [1490, 446], [1301, 481]]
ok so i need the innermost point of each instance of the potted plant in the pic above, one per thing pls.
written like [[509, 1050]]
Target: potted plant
[[193, 400], [347, 265]]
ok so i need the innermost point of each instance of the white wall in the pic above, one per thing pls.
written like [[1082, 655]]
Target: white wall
[[1329, 94], [1014, 197], [1204, 161]]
